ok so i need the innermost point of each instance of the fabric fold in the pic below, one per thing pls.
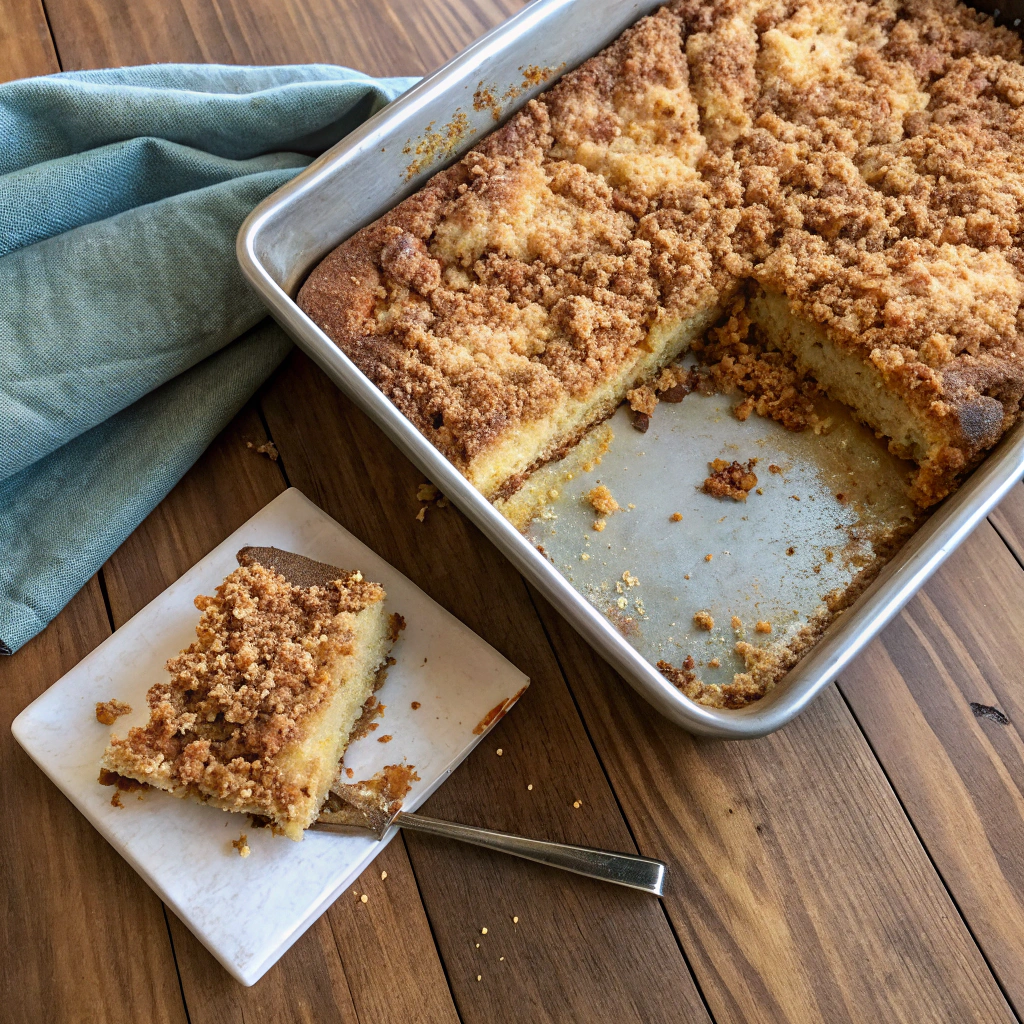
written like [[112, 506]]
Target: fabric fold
[[128, 335], [97, 317], [63, 517]]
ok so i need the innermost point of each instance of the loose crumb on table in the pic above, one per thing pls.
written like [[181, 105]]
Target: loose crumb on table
[[268, 448]]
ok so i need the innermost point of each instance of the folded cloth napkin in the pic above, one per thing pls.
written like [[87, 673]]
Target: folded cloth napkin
[[128, 337]]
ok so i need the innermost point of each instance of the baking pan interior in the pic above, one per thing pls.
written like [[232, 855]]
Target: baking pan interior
[[682, 574]]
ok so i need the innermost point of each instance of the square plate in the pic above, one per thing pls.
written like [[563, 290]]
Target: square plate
[[248, 912]]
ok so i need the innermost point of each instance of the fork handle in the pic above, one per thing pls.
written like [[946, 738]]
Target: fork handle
[[621, 868]]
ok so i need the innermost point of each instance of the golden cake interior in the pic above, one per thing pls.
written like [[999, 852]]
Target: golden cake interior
[[257, 712]]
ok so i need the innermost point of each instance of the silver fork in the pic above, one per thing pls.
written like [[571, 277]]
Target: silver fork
[[626, 869]]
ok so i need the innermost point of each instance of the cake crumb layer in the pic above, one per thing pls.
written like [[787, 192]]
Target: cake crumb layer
[[241, 720]]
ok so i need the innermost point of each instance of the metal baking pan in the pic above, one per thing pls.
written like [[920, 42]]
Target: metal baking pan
[[389, 157]]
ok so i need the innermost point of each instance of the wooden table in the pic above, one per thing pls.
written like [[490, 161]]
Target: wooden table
[[866, 863]]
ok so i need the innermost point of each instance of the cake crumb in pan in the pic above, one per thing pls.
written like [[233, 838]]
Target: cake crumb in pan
[[602, 501], [730, 479]]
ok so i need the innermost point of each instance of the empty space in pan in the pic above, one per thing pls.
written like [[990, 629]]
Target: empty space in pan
[[810, 526]]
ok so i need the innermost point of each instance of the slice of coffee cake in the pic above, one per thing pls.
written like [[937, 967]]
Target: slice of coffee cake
[[258, 710]]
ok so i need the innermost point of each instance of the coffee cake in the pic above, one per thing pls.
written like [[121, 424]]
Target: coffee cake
[[515, 299], [257, 712], [850, 169]]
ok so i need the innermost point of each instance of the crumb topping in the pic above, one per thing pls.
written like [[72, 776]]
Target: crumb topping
[[737, 358], [730, 479], [533, 270], [862, 159], [109, 711], [244, 689]]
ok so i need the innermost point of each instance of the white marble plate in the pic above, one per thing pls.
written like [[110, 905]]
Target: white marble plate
[[248, 912]]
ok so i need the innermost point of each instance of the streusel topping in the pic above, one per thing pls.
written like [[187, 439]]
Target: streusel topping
[[862, 159], [532, 270], [242, 690]]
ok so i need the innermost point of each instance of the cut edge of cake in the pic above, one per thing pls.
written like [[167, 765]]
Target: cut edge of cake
[[500, 470], [944, 444]]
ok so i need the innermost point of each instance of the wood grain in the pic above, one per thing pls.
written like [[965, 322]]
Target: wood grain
[[799, 890], [84, 938], [960, 777], [798, 887], [25, 45], [228, 485], [403, 37], [388, 951], [1008, 519], [320, 976], [582, 950]]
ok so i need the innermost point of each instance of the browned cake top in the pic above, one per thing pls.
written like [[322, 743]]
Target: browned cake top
[[531, 270], [241, 692], [863, 158]]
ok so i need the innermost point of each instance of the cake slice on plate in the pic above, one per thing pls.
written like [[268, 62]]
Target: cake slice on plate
[[257, 712]]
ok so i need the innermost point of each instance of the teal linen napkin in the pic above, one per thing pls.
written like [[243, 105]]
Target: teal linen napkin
[[128, 336]]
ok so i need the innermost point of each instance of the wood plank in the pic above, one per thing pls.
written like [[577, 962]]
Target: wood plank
[[581, 950], [336, 970], [86, 939], [229, 484], [1008, 519], [960, 777], [402, 37], [798, 887], [385, 944], [25, 45]]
